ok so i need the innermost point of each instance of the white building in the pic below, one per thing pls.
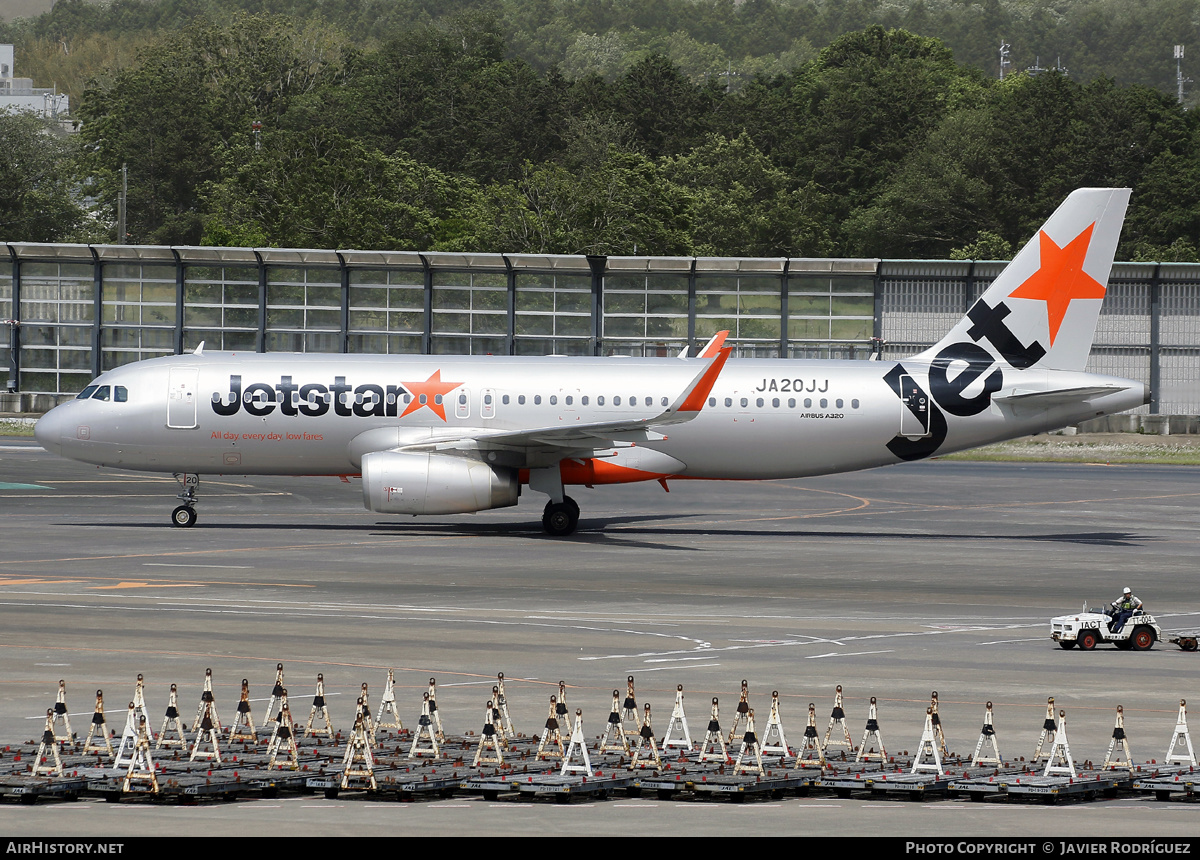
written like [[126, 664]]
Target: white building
[[20, 93]]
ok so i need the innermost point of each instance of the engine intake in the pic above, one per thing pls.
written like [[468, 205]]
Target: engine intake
[[400, 483]]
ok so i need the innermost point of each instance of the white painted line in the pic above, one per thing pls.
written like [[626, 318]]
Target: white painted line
[[218, 566], [851, 654], [676, 668]]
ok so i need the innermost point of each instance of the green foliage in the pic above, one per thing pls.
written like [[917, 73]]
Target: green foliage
[[764, 127], [39, 199], [327, 192], [622, 205], [987, 246], [167, 116], [739, 203]]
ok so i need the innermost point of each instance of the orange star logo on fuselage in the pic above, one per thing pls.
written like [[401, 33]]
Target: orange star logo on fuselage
[[431, 394], [1061, 279]]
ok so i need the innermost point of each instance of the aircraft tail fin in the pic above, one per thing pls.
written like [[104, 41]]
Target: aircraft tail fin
[[1043, 307]]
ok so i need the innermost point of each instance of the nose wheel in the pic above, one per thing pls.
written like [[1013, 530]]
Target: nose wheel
[[184, 516], [560, 518]]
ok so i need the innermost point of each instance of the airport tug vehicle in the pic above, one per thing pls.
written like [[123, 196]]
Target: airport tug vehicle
[[1089, 628]]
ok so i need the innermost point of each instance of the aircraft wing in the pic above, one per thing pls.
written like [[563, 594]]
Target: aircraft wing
[[581, 440]]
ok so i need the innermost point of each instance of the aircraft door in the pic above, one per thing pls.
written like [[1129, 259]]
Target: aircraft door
[[914, 408], [181, 398], [462, 403], [487, 403]]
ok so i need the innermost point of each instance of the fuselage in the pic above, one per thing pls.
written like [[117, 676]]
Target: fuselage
[[293, 414]]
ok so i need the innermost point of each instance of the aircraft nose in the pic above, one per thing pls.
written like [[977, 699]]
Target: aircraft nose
[[48, 430]]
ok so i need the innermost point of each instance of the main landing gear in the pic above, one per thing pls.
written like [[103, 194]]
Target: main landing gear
[[559, 519], [184, 516], [561, 515]]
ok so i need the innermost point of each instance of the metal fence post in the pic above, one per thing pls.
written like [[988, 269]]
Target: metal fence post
[[598, 264], [97, 312], [14, 343], [1155, 339]]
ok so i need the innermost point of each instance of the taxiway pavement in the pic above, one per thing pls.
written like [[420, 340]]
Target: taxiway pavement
[[892, 583]]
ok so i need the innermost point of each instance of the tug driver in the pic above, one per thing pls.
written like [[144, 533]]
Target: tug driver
[[1123, 609]]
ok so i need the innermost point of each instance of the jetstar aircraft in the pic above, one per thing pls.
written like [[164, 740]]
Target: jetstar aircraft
[[455, 434]]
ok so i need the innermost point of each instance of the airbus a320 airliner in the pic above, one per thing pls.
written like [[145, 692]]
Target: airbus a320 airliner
[[456, 434]]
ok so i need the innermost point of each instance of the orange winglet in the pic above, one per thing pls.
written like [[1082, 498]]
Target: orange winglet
[[695, 400], [714, 345]]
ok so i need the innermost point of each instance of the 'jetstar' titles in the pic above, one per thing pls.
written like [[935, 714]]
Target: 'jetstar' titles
[[310, 399]]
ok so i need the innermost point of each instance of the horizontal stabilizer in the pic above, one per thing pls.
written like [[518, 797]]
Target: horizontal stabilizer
[[1057, 395]]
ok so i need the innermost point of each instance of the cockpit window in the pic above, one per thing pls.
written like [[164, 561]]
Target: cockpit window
[[87, 392], [103, 392], [120, 393]]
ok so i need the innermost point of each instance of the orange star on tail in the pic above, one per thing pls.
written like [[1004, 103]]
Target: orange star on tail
[[1061, 278], [430, 393]]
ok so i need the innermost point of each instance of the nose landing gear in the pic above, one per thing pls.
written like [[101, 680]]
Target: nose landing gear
[[184, 516]]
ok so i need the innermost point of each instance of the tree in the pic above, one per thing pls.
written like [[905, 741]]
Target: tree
[[624, 205], [39, 197], [330, 191], [740, 204], [167, 116]]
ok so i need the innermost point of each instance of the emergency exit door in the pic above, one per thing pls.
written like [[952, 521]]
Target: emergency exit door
[[914, 408], [181, 397]]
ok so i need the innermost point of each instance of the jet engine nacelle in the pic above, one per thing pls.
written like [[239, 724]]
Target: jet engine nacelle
[[400, 483]]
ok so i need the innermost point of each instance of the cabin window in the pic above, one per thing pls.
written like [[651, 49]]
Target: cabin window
[[758, 402], [665, 402], [824, 403], [504, 399], [745, 402], [775, 402], [808, 403], [791, 403], [712, 401], [520, 399], [854, 404], [728, 401], [617, 400], [462, 400], [584, 400], [838, 403], [553, 399], [570, 399]]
